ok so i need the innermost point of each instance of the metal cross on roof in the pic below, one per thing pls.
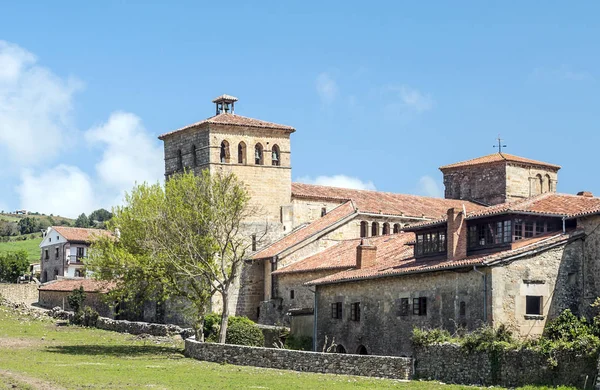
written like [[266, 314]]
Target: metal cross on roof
[[499, 146]]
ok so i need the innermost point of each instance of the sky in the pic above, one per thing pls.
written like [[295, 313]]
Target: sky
[[381, 94]]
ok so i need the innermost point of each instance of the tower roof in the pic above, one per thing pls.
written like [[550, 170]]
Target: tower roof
[[225, 98], [499, 157]]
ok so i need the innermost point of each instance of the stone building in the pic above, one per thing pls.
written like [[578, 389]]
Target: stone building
[[366, 267], [63, 250], [56, 293]]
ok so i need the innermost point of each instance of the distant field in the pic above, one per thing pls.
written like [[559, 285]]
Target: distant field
[[31, 246], [17, 217]]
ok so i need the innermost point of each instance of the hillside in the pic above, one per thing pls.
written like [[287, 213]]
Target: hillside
[[58, 220], [30, 245]]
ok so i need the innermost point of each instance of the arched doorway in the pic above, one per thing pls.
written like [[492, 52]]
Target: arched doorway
[[340, 349], [362, 350]]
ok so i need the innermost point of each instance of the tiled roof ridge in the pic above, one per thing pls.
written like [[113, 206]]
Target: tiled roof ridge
[[253, 122], [492, 158]]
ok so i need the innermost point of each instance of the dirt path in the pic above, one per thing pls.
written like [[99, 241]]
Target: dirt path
[[33, 382]]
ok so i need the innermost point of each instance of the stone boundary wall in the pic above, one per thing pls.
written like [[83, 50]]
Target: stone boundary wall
[[327, 363], [449, 363], [20, 293]]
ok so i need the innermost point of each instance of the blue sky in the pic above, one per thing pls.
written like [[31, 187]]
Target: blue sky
[[381, 94]]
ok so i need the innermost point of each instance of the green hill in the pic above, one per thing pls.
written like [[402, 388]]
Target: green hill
[[30, 245]]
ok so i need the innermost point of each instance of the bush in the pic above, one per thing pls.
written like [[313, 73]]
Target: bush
[[243, 331], [76, 298], [90, 317], [423, 337], [299, 343]]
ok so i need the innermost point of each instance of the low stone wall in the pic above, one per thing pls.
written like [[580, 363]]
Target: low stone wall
[[19, 293], [285, 359], [449, 363]]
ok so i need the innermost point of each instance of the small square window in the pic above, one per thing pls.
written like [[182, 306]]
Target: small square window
[[56, 253], [355, 311], [420, 306], [462, 311], [533, 305], [336, 310], [323, 211], [403, 309], [291, 294]]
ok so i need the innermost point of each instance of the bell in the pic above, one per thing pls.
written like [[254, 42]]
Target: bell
[[257, 154], [274, 156]]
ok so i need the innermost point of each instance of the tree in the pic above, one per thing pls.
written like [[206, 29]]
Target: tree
[[100, 215], [181, 240], [28, 225], [13, 265], [76, 299], [82, 221]]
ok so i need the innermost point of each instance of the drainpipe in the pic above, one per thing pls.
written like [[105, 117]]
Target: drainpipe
[[484, 276]]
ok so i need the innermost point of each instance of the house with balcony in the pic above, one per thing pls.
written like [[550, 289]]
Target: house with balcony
[[63, 250]]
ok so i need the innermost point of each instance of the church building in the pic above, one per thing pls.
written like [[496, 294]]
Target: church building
[[365, 267]]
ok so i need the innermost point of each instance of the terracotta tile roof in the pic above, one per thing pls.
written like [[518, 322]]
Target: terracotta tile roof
[[548, 204], [232, 120], [410, 265], [383, 202], [343, 255], [225, 97], [80, 234], [307, 231], [89, 285], [499, 157]]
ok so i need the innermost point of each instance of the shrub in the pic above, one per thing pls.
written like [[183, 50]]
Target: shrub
[[299, 343], [242, 331], [76, 298], [89, 317], [423, 337]]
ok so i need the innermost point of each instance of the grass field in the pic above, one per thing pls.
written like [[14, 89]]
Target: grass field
[[31, 246], [39, 354]]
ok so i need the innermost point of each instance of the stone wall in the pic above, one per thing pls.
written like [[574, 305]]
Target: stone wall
[[449, 363], [591, 264], [376, 366], [19, 293], [52, 265], [523, 181], [383, 329], [52, 299]]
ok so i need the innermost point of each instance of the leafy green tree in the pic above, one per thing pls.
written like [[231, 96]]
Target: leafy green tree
[[13, 265], [28, 225], [182, 240], [100, 215], [82, 221], [76, 299]]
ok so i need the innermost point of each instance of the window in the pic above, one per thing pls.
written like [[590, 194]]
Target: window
[[242, 153], [291, 294], [364, 226], [462, 311], [275, 156], [548, 182], [485, 234], [355, 311], [340, 349], [430, 243], [224, 152], [323, 211], [374, 229], [179, 160], [533, 305], [420, 306], [528, 229], [46, 255], [386, 229], [57, 239], [194, 159], [254, 243], [49, 239], [258, 154], [80, 253], [396, 228], [403, 309], [56, 253], [336, 310]]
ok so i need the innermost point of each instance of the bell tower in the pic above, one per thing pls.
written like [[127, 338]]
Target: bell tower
[[224, 104]]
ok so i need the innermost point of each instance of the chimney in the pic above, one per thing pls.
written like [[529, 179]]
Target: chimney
[[585, 194], [365, 254], [457, 234]]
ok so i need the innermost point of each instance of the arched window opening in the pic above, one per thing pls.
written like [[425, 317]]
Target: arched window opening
[[396, 228], [275, 156], [386, 229], [194, 159], [179, 160], [364, 226], [361, 350], [258, 154], [374, 229], [242, 153], [340, 349], [539, 184], [225, 152], [548, 183]]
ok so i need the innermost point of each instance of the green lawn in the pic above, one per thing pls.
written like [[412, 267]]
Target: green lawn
[[39, 354], [31, 246]]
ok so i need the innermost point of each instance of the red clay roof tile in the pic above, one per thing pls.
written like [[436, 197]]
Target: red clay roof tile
[[383, 202], [80, 234], [498, 157], [89, 285]]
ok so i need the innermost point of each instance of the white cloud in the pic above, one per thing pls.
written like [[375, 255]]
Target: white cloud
[[63, 190], [562, 73], [35, 108], [326, 88], [342, 181], [427, 186], [415, 100], [130, 153]]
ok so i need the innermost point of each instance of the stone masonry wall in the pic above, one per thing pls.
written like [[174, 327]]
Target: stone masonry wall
[[52, 299], [19, 293], [481, 183], [54, 265], [330, 363], [450, 363], [382, 330], [591, 266], [522, 181]]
